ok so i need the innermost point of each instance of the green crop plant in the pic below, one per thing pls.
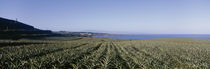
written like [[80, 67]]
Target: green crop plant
[[102, 53]]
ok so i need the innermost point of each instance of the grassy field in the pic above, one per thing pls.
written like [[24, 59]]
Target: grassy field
[[101, 53]]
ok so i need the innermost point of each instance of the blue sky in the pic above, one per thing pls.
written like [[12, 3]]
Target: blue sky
[[113, 16]]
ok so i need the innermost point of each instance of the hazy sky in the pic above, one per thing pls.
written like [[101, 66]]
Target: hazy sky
[[113, 16]]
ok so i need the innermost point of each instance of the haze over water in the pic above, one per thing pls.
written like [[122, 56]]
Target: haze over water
[[157, 36]]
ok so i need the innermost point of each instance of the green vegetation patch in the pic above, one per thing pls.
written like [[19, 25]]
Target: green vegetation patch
[[101, 53]]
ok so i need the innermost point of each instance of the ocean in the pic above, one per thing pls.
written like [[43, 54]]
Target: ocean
[[157, 36]]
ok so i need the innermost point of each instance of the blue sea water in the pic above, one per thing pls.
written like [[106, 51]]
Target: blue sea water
[[157, 36]]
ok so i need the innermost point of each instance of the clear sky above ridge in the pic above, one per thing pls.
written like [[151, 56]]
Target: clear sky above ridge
[[112, 16]]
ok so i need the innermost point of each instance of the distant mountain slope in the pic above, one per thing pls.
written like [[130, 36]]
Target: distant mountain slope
[[7, 25], [13, 30]]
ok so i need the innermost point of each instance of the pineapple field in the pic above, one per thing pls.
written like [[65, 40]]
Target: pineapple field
[[103, 53]]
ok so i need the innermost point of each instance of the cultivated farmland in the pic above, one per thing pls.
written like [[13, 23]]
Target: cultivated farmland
[[101, 53]]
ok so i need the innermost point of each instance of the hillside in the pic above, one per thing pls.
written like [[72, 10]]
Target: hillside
[[12, 25], [12, 29]]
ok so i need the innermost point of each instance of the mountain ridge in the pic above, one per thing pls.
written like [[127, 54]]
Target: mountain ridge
[[13, 29]]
